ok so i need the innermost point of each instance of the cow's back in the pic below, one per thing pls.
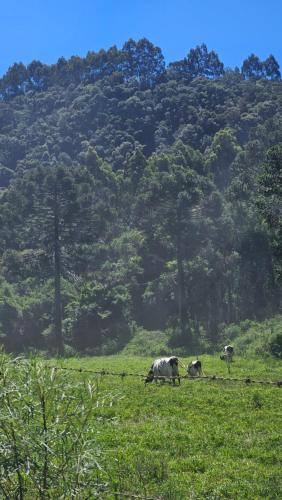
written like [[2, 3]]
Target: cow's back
[[162, 368]]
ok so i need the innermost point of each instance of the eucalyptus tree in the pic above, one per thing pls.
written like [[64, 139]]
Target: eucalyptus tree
[[199, 62], [252, 67], [143, 61], [271, 68]]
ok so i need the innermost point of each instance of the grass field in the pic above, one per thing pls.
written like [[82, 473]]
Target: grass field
[[80, 435]]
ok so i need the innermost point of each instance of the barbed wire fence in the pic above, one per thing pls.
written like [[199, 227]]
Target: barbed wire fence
[[122, 375]]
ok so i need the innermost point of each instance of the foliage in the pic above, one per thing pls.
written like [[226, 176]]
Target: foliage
[[99, 316], [269, 201], [10, 314], [254, 68], [147, 343], [252, 339], [47, 429], [132, 192]]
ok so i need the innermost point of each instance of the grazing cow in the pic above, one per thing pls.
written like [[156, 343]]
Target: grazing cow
[[228, 353], [194, 369], [164, 367]]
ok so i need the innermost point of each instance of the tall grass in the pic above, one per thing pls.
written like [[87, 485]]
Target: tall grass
[[47, 432]]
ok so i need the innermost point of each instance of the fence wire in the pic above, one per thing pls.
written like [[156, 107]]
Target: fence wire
[[122, 375]]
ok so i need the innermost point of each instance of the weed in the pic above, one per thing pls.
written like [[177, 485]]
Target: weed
[[257, 400]]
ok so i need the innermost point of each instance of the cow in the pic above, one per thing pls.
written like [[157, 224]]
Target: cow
[[164, 367], [194, 369], [228, 353]]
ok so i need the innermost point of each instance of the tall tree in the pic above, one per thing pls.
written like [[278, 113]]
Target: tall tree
[[220, 156], [271, 68], [252, 67], [15, 80], [270, 197], [143, 61], [169, 190], [200, 62], [49, 208], [38, 75]]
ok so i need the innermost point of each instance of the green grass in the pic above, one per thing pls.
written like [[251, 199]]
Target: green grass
[[202, 440]]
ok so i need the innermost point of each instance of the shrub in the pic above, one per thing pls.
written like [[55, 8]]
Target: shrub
[[147, 343], [275, 346], [260, 339]]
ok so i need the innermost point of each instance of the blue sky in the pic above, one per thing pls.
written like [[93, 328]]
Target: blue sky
[[48, 29]]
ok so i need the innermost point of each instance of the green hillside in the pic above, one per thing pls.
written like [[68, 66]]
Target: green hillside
[[138, 196]]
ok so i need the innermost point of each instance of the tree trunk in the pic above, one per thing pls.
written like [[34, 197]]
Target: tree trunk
[[180, 281], [57, 273]]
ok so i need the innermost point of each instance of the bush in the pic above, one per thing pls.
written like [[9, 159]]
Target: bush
[[10, 317], [275, 346], [259, 339], [147, 343]]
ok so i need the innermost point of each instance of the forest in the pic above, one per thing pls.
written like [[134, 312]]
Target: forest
[[138, 195]]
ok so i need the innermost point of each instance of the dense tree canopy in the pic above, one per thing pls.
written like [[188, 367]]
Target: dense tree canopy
[[270, 197], [138, 195]]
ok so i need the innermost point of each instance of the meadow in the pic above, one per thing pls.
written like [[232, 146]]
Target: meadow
[[66, 434]]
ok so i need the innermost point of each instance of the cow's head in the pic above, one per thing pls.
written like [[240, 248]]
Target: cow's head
[[173, 361], [150, 376], [198, 365], [229, 349]]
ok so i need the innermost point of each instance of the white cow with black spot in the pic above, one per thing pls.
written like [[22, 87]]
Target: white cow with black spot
[[194, 369], [228, 353], [164, 367]]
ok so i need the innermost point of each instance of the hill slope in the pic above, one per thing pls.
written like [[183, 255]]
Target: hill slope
[[136, 186]]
